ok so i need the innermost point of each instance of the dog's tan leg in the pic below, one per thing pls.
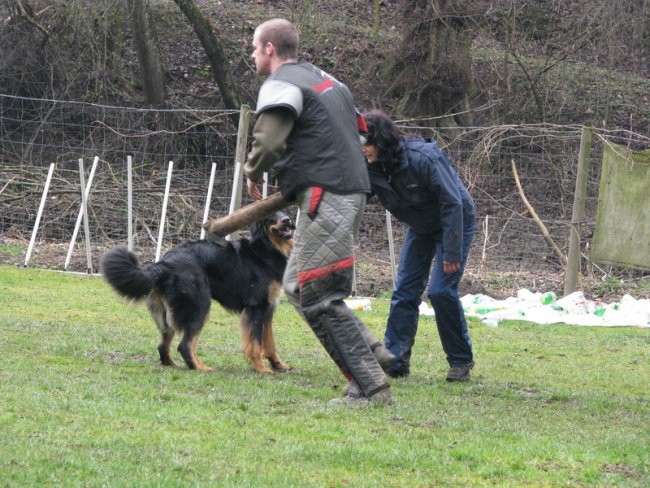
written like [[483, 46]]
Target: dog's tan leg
[[252, 349], [270, 351], [187, 348], [199, 365]]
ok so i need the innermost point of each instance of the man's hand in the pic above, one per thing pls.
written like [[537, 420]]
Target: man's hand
[[450, 268], [253, 191]]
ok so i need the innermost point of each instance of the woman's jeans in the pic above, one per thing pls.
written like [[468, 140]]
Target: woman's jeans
[[418, 252]]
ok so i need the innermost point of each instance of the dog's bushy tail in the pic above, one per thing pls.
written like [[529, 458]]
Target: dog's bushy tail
[[122, 271]]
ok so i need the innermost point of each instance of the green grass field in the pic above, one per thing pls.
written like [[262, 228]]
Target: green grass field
[[84, 402]]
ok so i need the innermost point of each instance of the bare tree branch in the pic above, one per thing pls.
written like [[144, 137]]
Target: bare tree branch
[[148, 57], [27, 13], [538, 221], [215, 52]]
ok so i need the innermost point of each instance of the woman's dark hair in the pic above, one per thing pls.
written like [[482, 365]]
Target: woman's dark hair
[[385, 136]]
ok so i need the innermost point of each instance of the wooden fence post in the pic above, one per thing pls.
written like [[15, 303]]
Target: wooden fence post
[[577, 217], [240, 155]]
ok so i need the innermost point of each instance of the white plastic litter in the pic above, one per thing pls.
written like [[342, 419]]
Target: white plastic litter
[[543, 308], [426, 309], [360, 304]]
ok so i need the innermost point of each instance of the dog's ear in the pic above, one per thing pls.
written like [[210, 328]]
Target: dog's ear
[[215, 239], [257, 229]]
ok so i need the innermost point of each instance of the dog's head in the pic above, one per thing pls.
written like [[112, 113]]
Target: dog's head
[[278, 228]]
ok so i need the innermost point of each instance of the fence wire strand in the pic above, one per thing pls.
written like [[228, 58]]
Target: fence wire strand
[[509, 249]]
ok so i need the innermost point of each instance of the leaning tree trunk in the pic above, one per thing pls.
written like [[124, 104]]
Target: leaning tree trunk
[[213, 47], [431, 71], [148, 55]]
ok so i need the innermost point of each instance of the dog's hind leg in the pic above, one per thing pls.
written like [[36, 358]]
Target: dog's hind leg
[[187, 348], [191, 322], [158, 311], [164, 346], [251, 324], [187, 301]]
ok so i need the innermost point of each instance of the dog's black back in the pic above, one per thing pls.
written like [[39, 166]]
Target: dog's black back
[[238, 273], [243, 276]]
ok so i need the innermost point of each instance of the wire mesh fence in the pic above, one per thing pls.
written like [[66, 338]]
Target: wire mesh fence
[[509, 250]]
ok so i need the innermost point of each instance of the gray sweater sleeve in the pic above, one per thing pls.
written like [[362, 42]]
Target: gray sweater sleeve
[[270, 133]]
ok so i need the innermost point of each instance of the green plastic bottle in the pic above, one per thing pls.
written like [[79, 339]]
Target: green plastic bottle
[[548, 298]]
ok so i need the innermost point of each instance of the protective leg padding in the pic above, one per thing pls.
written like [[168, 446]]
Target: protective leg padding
[[337, 330]]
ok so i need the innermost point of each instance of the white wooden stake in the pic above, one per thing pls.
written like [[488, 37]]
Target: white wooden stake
[[84, 209], [391, 247], [80, 215], [164, 211], [265, 185], [208, 199], [235, 197], [129, 203], [39, 214]]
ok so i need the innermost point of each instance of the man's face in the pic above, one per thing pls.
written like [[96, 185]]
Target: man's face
[[261, 55]]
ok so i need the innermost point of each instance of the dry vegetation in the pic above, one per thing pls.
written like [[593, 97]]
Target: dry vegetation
[[581, 62]]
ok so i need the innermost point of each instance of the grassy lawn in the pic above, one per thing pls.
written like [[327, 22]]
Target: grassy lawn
[[84, 402]]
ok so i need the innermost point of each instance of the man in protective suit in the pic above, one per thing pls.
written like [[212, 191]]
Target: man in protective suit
[[306, 131]]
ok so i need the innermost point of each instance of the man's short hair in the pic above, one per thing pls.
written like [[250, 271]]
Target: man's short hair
[[283, 35]]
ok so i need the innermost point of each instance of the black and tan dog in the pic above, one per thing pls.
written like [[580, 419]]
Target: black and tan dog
[[244, 276]]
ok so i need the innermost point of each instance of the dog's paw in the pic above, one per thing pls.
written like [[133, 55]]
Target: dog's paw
[[206, 369], [281, 367]]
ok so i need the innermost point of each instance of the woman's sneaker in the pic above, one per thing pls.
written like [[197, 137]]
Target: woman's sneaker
[[460, 373], [384, 357], [399, 370]]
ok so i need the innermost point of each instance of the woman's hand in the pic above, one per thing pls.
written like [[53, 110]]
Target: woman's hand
[[450, 268]]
